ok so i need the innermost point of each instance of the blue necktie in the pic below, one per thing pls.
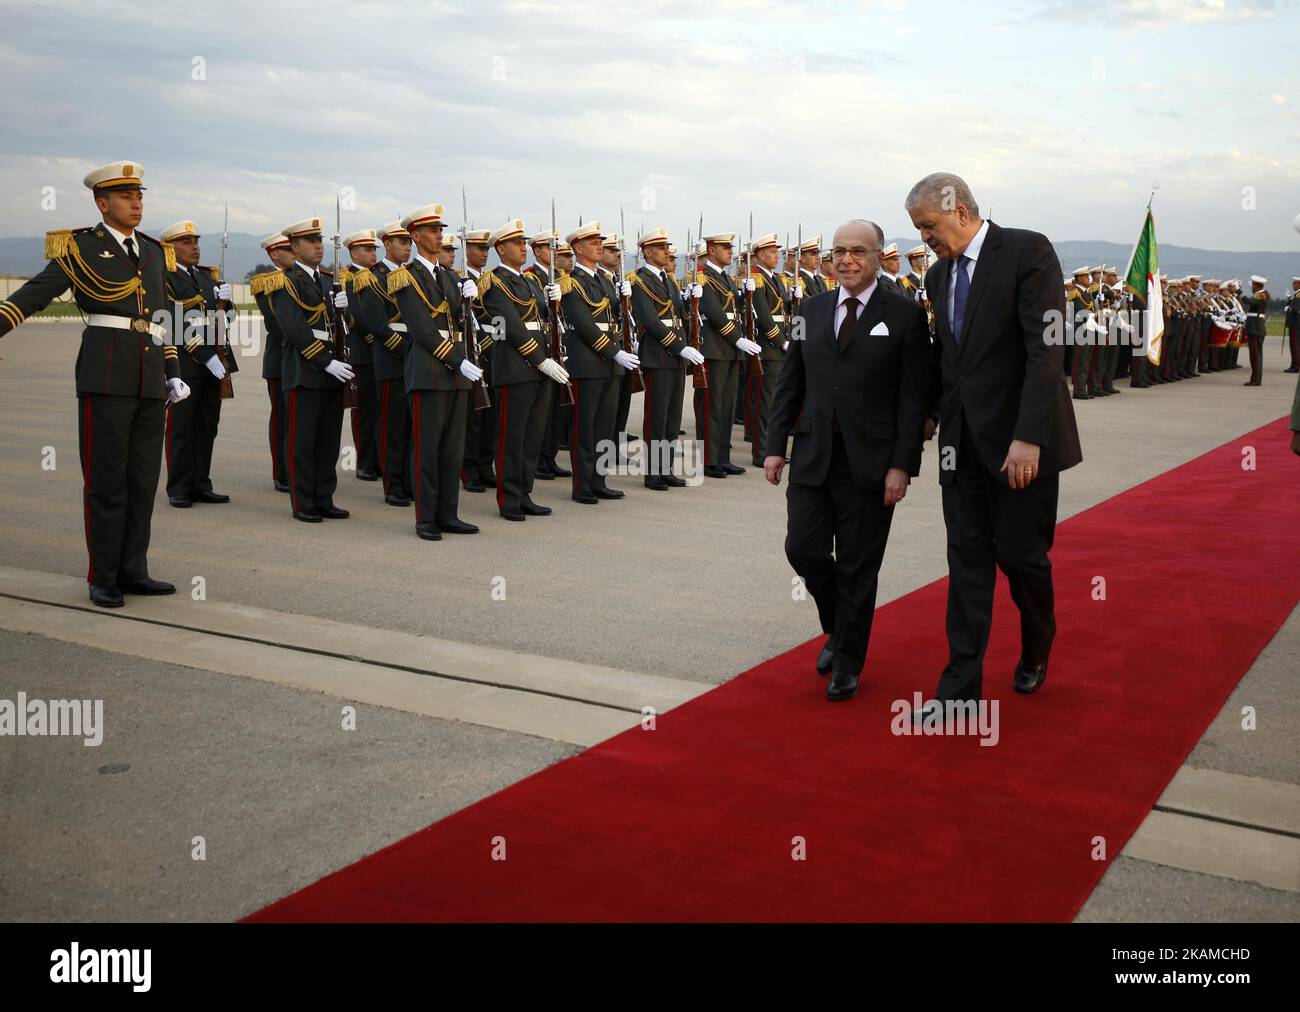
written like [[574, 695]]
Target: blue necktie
[[959, 298]]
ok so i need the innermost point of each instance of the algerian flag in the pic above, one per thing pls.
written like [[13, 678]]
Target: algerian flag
[[1143, 277]]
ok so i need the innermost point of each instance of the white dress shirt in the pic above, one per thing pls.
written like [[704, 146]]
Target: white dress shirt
[[122, 237], [841, 310], [972, 251]]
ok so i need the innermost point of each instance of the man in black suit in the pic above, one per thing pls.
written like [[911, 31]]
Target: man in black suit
[[1006, 424], [853, 390]]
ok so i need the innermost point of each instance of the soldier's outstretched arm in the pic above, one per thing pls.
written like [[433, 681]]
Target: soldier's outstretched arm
[[32, 297]]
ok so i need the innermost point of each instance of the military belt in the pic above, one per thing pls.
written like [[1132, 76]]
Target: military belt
[[126, 323]]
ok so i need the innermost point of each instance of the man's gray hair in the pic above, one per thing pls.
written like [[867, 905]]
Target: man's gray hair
[[880, 233], [942, 191]]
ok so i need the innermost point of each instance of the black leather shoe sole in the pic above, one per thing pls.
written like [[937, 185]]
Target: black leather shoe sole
[[457, 527], [842, 687], [531, 509], [608, 493], [148, 588], [1029, 680], [545, 475], [672, 481], [212, 497], [657, 486], [474, 486], [397, 500], [714, 472], [181, 504], [334, 513], [428, 532], [308, 517], [106, 597], [733, 469], [586, 498], [515, 515], [281, 486], [561, 472], [367, 476]]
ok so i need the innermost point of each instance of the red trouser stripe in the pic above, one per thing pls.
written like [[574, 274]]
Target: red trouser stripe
[[415, 451], [501, 445], [573, 441], [169, 442], [277, 405], [85, 495], [383, 434], [645, 410], [289, 450]]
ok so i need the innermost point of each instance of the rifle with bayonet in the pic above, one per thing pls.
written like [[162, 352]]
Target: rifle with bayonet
[[749, 329], [335, 322], [223, 348], [796, 287], [554, 316], [468, 322], [625, 323], [699, 373]]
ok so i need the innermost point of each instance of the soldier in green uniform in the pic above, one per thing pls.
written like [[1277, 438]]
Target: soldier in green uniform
[[1101, 381], [313, 378], [596, 364], [523, 373], [438, 375], [1079, 308], [769, 334], [659, 313], [1291, 324], [363, 248], [480, 424], [126, 372], [192, 423], [559, 424], [889, 267], [1256, 327], [280, 253]]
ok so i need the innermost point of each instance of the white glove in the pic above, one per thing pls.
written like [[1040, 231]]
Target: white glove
[[554, 370], [341, 300], [749, 285], [748, 346], [625, 288], [470, 371], [798, 289], [626, 360], [553, 293], [215, 367], [341, 371], [697, 291], [177, 390], [468, 289], [224, 292], [691, 355]]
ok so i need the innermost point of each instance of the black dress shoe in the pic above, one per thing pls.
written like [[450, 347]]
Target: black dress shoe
[[106, 597], [656, 484], [397, 500], [474, 485], [731, 468], [307, 516], [148, 586], [1083, 397], [182, 503], [544, 475], [561, 472], [844, 685], [825, 659], [586, 498], [756, 462], [605, 492], [489, 479], [281, 486], [332, 512], [713, 471], [672, 481], [367, 475], [211, 497], [531, 509], [456, 527], [513, 514], [428, 531], [1030, 678]]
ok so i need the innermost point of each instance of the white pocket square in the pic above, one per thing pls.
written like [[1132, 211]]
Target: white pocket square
[[880, 330]]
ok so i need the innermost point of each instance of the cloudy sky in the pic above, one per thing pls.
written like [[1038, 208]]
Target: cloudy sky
[[1061, 116]]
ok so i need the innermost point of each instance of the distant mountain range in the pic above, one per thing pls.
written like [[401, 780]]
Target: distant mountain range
[[22, 256]]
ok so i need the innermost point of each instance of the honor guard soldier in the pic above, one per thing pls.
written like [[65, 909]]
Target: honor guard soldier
[[376, 309], [313, 378], [447, 255], [205, 364], [1256, 304], [595, 364], [560, 421], [438, 375], [126, 372], [912, 282], [828, 270], [1108, 286], [769, 334], [1291, 324], [522, 370], [723, 345], [480, 425], [664, 354], [609, 260], [889, 267], [363, 248], [278, 250], [1079, 307], [810, 259]]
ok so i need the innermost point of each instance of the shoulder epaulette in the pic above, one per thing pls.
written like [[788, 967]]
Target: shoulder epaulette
[[361, 278], [273, 281], [169, 256], [485, 281], [255, 284], [345, 273], [398, 279], [566, 284], [57, 242], [1073, 296]]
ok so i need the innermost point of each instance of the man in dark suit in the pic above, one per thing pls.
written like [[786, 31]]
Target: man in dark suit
[[1006, 424], [853, 390]]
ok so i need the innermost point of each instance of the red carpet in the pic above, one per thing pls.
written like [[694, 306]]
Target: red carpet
[[694, 821]]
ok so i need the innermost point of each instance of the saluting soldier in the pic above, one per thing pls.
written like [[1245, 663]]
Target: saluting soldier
[[1256, 304], [769, 334], [313, 378], [375, 309], [724, 346], [438, 375], [1291, 324], [126, 372], [280, 253], [522, 370], [659, 314], [595, 364], [480, 425], [560, 421], [363, 248], [810, 257], [192, 423]]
